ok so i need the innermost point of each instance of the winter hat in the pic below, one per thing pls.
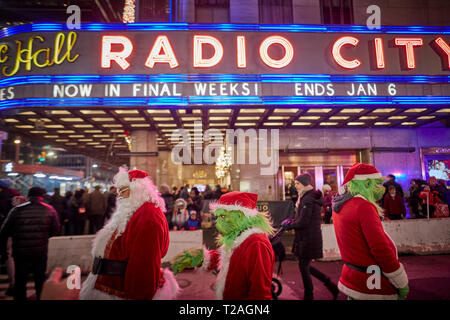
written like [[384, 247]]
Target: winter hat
[[236, 200], [361, 171], [304, 179], [124, 177], [36, 192]]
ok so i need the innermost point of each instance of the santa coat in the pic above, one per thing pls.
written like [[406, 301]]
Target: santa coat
[[245, 268], [142, 245], [363, 242]]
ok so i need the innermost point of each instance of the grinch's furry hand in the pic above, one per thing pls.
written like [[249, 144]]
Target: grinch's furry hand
[[403, 292], [188, 259]]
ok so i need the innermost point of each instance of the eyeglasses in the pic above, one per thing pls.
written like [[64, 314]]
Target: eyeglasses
[[119, 192]]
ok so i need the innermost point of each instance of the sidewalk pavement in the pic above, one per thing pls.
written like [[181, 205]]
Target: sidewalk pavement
[[429, 279]]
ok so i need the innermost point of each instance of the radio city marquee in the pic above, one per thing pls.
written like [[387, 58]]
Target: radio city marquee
[[222, 64]]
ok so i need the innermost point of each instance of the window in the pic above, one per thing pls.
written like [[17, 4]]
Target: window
[[154, 10], [337, 11], [275, 12], [212, 11]]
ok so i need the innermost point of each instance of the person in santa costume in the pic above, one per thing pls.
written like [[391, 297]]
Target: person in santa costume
[[129, 249], [362, 241], [245, 258]]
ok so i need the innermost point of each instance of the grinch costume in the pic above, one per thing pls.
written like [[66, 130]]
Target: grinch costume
[[245, 258], [129, 249], [362, 240]]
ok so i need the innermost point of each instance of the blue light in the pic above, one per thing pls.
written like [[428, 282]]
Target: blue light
[[264, 78], [43, 27], [199, 101]]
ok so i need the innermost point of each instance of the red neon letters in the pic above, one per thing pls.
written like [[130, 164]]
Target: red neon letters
[[409, 44], [118, 56], [445, 47], [118, 48], [336, 52], [199, 61], [379, 53], [163, 43], [283, 62]]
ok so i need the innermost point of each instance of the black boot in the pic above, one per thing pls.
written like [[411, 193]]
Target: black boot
[[332, 288]]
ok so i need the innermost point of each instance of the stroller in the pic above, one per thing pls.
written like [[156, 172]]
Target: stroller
[[280, 253]]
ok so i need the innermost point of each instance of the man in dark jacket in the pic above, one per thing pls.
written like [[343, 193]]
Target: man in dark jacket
[[308, 235], [96, 209], [57, 202], [30, 225]]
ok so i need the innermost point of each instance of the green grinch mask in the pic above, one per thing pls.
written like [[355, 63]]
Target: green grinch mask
[[371, 189], [232, 223]]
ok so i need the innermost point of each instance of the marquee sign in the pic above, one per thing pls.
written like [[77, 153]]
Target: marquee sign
[[174, 64]]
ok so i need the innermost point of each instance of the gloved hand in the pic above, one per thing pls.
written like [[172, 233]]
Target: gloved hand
[[403, 292], [286, 223]]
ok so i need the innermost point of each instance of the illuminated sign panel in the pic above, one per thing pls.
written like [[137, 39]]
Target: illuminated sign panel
[[245, 66]]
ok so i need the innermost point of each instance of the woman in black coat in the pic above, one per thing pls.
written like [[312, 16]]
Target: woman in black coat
[[308, 235]]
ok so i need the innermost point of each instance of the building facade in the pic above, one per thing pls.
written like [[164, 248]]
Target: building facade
[[329, 89]]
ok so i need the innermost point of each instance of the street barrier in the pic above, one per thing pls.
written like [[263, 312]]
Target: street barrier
[[415, 236]]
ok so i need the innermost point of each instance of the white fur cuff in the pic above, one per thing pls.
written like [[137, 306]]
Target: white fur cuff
[[206, 259], [398, 278]]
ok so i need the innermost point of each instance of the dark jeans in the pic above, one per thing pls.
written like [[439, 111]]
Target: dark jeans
[[80, 223], [328, 215], [95, 223], [23, 267], [306, 271]]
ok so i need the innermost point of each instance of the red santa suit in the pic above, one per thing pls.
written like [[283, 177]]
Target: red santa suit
[[137, 234], [246, 267], [363, 242]]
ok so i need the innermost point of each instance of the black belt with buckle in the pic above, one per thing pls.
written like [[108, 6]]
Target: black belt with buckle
[[357, 268], [109, 267]]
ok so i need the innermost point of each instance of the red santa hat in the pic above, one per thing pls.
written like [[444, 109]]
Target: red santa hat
[[236, 200], [124, 178], [362, 171]]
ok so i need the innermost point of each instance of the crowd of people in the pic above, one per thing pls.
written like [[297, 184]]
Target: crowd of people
[[424, 199], [188, 208]]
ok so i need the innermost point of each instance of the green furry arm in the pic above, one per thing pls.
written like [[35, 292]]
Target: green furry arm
[[188, 259]]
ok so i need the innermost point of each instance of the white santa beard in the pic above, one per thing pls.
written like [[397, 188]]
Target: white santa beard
[[124, 211]]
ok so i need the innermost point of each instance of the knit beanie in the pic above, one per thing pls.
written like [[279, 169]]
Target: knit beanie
[[304, 179]]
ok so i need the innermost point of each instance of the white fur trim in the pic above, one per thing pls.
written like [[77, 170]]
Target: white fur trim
[[247, 211], [225, 256], [367, 176], [121, 179], [169, 290], [206, 259], [365, 296], [398, 278]]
